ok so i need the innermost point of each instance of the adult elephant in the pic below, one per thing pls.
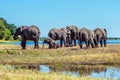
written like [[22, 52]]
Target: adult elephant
[[68, 33], [74, 33], [28, 33], [58, 34], [87, 36], [101, 36]]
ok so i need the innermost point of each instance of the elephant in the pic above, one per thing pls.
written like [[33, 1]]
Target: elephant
[[87, 36], [52, 43], [58, 34], [100, 35], [74, 33], [68, 33], [28, 33]]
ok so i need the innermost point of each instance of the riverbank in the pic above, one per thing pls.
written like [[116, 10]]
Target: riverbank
[[12, 54], [72, 58]]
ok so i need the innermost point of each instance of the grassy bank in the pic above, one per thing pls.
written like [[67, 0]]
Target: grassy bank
[[13, 54], [9, 73], [65, 57]]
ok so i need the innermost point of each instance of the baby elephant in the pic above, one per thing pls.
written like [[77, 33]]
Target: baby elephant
[[52, 43]]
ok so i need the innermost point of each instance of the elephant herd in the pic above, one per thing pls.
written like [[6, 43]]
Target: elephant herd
[[67, 35]]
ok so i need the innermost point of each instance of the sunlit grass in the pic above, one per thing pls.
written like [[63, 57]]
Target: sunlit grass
[[62, 57], [70, 55]]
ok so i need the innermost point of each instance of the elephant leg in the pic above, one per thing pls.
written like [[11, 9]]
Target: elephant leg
[[89, 44], [71, 41], [50, 46], [86, 42], [23, 43], [60, 43], [55, 46], [96, 43], [65, 42], [101, 42], [92, 44], [80, 44], [36, 44], [105, 42], [74, 42]]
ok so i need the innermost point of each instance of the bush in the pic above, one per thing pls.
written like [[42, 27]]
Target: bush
[[7, 37]]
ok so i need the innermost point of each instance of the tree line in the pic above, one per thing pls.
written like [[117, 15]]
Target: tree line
[[6, 30]]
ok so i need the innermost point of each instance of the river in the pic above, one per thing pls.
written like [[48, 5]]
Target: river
[[109, 72], [40, 42]]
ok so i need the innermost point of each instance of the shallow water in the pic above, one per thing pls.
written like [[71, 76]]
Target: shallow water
[[109, 72], [40, 42]]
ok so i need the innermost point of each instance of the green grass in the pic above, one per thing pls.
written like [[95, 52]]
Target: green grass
[[65, 57], [71, 55]]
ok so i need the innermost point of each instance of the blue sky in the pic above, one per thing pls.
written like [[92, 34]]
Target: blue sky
[[47, 14]]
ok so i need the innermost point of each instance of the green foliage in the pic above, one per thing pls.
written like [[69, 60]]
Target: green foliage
[[7, 34], [42, 38], [6, 29], [2, 29], [113, 38]]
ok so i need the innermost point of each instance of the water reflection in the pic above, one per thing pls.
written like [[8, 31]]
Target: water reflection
[[44, 68], [113, 73], [109, 73]]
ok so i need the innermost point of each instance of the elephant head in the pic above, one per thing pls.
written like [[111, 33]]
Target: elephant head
[[47, 40], [18, 32]]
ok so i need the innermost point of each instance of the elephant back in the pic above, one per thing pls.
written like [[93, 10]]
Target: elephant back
[[100, 31], [36, 28], [74, 31], [84, 33]]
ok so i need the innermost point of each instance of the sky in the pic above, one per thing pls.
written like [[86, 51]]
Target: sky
[[48, 14]]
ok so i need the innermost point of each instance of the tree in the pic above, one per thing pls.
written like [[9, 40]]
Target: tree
[[2, 29], [7, 34], [6, 29]]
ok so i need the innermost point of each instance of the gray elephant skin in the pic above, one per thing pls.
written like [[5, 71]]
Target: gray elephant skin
[[28, 33], [74, 33], [58, 34], [68, 33], [52, 43], [101, 36], [87, 36]]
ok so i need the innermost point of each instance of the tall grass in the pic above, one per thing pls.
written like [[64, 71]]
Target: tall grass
[[8, 73]]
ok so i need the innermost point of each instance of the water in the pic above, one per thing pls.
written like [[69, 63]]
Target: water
[[40, 42], [110, 72]]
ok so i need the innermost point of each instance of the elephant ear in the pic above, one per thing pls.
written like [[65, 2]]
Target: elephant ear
[[105, 31], [22, 28]]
